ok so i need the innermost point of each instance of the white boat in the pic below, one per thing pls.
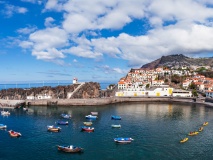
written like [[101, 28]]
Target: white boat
[[116, 126], [2, 126], [5, 113], [91, 117], [94, 113]]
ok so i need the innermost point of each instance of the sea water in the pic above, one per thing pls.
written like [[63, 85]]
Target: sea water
[[156, 128]]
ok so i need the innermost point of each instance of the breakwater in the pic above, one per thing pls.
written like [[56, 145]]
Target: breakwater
[[105, 101]]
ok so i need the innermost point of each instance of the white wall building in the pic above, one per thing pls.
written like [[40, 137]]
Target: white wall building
[[209, 94], [181, 93]]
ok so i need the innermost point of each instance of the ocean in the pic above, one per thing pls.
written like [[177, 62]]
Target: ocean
[[103, 85], [156, 128]]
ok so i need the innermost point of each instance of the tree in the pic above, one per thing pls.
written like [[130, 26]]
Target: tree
[[194, 93], [147, 85]]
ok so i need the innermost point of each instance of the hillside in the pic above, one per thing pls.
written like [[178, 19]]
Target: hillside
[[179, 60]]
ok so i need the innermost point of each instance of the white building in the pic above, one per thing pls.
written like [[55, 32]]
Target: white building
[[181, 93], [75, 80], [141, 92]]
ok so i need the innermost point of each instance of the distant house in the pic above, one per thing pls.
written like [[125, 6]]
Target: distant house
[[43, 97], [209, 94], [75, 80]]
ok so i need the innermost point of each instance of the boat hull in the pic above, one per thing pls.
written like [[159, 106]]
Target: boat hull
[[14, 134], [70, 150], [87, 129], [123, 140]]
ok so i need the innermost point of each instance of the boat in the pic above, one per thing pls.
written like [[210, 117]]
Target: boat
[[70, 149], [2, 126], [88, 129], [91, 117], [14, 134], [116, 117], [5, 113], [200, 129], [66, 116], [123, 140], [25, 109], [53, 128], [94, 113], [184, 140], [193, 133], [116, 126], [62, 122], [87, 123], [205, 123]]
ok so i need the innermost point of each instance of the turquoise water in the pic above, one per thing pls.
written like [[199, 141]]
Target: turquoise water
[[155, 128]]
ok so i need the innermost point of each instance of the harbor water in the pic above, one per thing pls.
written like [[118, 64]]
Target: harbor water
[[156, 128]]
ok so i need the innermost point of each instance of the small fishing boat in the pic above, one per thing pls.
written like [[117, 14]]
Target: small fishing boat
[[123, 140], [116, 117], [70, 149], [87, 123], [88, 129], [193, 133], [14, 134], [116, 126], [2, 126], [184, 140], [62, 122], [53, 128], [205, 123], [66, 116], [91, 117], [25, 109], [5, 113], [94, 113], [200, 129]]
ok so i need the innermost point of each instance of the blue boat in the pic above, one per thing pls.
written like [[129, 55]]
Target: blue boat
[[116, 117], [67, 116], [91, 117], [62, 122], [123, 140], [2, 126]]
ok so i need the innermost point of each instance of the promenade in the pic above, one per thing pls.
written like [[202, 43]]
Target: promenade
[[104, 101]]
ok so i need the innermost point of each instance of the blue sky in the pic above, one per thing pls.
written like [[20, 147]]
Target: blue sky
[[96, 40]]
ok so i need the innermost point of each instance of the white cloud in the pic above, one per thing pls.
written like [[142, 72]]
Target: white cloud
[[11, 9], [178, 26], [33, 1], [27, 30], [48, 22]]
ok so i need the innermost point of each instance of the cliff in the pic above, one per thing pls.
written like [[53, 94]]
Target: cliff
[[179, 60], [87, 90]]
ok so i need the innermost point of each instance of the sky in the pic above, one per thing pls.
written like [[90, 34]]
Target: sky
[[98, 40]]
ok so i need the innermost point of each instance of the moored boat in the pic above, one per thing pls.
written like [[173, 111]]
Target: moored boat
[[87, 123], [116, 126], [205, 123], [184, 140], [62, 122], [66, 116], [14, 134], [94, 113], [116, 117], [193, 133], [53, 128], [5, 113], [88, 129], [25, 109], [3, 126], [91, 117], [200, 129], [70, 149], [123, 140]]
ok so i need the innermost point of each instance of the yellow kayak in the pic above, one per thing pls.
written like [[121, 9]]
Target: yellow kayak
[[205, 123], [200, 129], [184, 140], [193, 133]]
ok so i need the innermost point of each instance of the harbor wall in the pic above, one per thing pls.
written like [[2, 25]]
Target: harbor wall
[[105, 101]]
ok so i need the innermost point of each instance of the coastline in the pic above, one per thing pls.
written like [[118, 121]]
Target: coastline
[[103, 101]]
